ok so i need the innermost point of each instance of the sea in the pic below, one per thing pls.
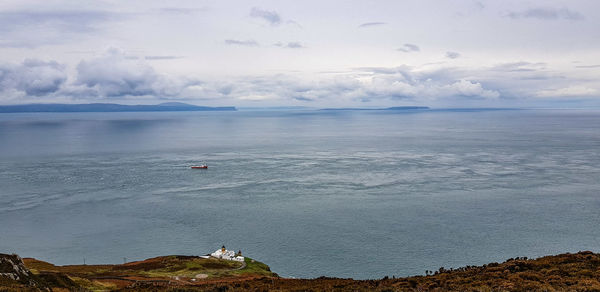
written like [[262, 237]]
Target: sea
[[339, 193]]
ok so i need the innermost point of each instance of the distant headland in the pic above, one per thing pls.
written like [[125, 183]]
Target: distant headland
[[107, 107]]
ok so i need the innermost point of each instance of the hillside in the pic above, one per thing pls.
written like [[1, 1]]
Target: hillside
[[565, 272]]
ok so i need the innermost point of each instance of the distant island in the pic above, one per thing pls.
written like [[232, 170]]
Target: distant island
[[107, 107], [395, 108], [277, 108]]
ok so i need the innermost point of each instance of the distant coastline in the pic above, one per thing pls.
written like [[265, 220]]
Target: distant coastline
[[107, 107], [396, 108]]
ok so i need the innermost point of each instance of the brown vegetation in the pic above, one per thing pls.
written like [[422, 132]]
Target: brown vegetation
[[565, 272]]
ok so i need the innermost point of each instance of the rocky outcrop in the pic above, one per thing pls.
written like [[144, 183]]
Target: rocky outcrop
[[13, 268]]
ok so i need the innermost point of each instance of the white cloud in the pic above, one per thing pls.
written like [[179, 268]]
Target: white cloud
[[571, 91], [470, 89], [404, 84]]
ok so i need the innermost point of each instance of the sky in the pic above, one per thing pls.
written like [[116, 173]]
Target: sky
[[452, 53]]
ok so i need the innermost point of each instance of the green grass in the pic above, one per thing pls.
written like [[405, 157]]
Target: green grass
[[166, 267], [255, 267], [190, 268]]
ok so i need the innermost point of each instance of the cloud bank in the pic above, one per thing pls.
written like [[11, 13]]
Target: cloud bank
[[114, 76]]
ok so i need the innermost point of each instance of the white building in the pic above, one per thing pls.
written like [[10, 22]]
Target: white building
[[227, 255]]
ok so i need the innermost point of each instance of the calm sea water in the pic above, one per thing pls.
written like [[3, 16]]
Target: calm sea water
[[360, 194]]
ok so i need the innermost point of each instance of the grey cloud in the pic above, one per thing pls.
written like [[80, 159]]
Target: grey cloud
[[225, 89], [162, 57], [452, 55], [300, 98], [407, 48], [181, 11], [294, 45], [271, 17], [577, 91], [587, 66], [370, 24], [80, 21], [249, 43], [32, 77], [401, 72], [412, 47], [383, 70], [294, 23], [290, 45], [21, 28], [521, 66], [542, 77], [82, 52], [113, 75], [546, 13]]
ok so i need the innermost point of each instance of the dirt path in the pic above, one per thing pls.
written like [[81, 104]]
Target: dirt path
[[243, 266]]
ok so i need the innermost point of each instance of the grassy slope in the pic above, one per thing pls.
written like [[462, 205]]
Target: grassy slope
[[180, 270], [565, 272]]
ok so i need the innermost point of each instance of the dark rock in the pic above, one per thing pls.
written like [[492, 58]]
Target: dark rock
[[13, 268]]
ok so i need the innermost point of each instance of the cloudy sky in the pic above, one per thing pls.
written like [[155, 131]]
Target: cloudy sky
[[452, 53]]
